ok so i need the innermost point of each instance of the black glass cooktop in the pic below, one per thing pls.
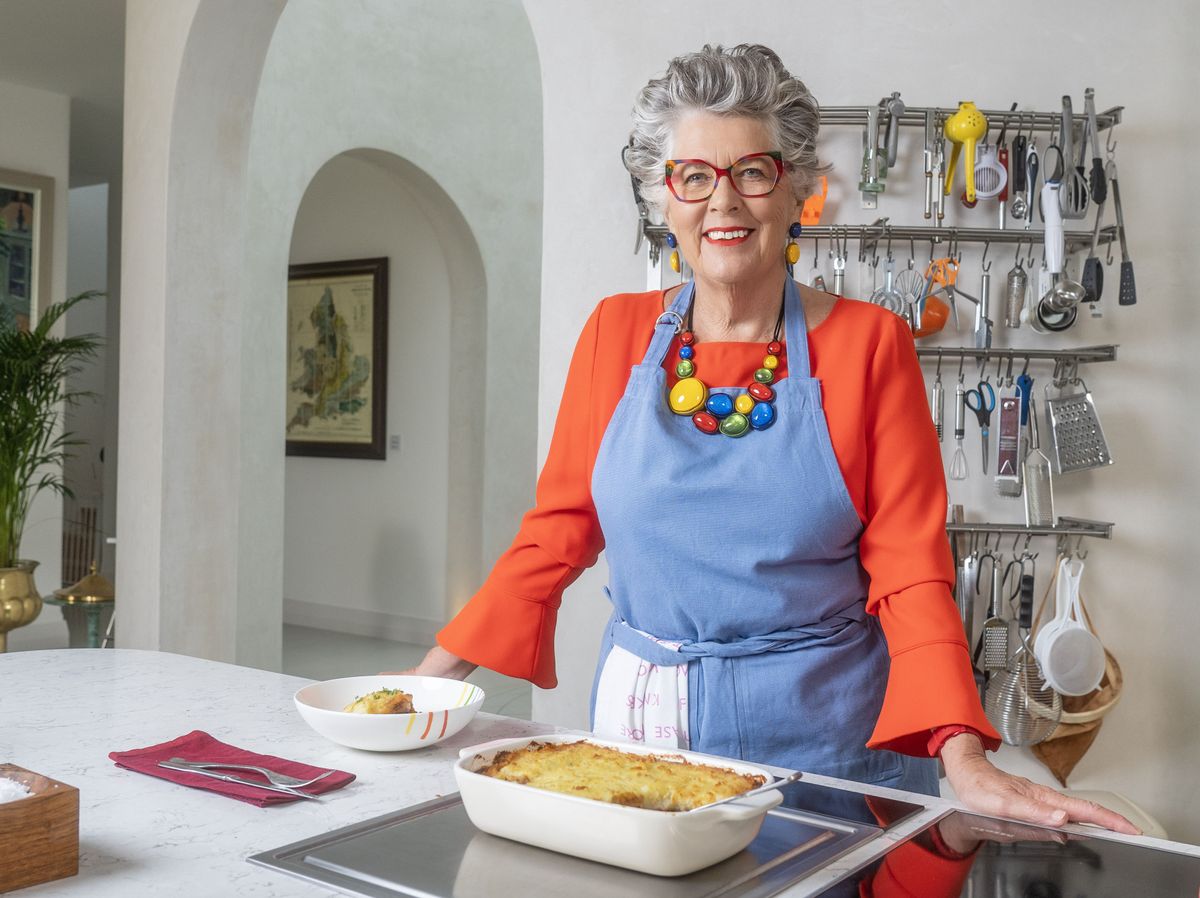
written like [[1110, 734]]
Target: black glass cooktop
[[962, 856]]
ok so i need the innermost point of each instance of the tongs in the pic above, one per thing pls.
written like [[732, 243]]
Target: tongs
[[778, 784]]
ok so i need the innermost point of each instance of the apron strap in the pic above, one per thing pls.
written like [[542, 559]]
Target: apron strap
[[795, 329], [669, 324], [825, 632]]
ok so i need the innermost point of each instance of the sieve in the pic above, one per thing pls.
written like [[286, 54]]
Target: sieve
[[1019, 702]]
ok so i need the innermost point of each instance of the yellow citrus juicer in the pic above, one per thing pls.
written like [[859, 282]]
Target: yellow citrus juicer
[[965, 128]]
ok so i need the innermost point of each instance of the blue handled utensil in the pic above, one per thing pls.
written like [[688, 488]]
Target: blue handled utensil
[[982, 401]]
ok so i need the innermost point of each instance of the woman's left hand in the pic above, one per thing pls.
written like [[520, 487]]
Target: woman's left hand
[[983, 787]]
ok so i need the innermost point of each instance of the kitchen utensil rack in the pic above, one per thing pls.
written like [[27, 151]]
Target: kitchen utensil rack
[[870, 234], [914, 116], [1076, 356]]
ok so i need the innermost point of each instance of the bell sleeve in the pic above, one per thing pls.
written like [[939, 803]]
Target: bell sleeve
[[905, 550], [508, 625]]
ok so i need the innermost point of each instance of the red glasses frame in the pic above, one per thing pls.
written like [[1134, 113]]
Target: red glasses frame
[[774, 155]]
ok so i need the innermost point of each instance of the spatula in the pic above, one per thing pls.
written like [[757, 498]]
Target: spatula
[[778, 784]]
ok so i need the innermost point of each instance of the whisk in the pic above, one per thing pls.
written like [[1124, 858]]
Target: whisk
[[1018, 701], [958, 464]]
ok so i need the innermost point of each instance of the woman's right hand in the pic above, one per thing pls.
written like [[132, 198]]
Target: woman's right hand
[[439, 663]]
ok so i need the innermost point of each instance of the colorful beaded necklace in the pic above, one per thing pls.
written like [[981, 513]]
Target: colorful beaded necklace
[[752, 410]]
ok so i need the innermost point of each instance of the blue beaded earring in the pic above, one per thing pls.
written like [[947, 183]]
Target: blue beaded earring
[[673, 243], [792, 253]]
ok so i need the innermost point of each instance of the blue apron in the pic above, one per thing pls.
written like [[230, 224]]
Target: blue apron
[[745, 552]]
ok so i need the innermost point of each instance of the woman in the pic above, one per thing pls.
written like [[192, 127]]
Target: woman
[[753, 579]]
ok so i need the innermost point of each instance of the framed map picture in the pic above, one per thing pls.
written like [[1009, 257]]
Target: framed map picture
[[337, 358], [26, 238]]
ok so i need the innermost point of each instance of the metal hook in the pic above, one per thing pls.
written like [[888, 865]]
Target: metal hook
[[1110, 145], [888, 231], [939, 364], [1008, 378], [1017, 254], [1025, 370], [961, 360], [988, 267], [1108, 250]]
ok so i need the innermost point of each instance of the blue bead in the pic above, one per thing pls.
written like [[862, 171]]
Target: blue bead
[[720, 404], [671, 241], [762, 415], [686, 352], [794, 230]]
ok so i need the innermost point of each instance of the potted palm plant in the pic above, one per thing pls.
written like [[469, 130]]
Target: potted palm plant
[[34, 368]]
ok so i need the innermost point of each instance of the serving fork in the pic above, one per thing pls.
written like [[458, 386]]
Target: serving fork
[[276, 779]]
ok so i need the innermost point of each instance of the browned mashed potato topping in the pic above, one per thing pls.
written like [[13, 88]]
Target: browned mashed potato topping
[[382, 701], [606, 774]]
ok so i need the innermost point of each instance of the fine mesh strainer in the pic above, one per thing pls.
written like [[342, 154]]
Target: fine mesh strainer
[[1018, 701]]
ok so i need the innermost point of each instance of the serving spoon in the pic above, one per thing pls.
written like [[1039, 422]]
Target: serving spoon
[[778, 784]]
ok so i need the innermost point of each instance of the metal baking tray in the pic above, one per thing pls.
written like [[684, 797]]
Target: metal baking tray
[[432, 850]]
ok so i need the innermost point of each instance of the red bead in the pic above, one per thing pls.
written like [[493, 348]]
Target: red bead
[[704, 421], [774, 347], [686, 338], [761, 392]]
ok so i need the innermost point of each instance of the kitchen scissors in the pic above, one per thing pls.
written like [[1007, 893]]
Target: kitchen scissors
[[982, 401]]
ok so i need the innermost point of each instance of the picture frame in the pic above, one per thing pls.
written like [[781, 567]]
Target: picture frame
[[26, 246], [337, 359]]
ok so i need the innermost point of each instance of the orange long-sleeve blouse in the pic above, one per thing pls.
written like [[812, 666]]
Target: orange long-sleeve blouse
[[886, 447]]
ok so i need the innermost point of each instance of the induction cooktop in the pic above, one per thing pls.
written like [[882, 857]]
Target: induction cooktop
[[963, 856], [432, 850]]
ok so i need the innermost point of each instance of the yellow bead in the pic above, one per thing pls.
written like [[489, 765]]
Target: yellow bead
[[793, 253], [744, 404], [675, 261], [688, 396], [771, 362]]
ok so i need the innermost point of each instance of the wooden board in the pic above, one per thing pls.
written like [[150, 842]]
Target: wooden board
[[40, 833]]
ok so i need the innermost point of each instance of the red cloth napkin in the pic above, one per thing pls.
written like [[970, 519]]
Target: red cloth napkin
[[200, 746]]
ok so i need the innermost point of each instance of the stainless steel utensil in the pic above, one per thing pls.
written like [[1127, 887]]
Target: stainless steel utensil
[[1039, 484], [1079, 442], [1127, 293], [895, 109], [1096, 185], [958, 464], [778, 784], [927, 158], [278, 779], [937, 404], [287, 790], [1073, 198], [1018, 701], [1016, 284]]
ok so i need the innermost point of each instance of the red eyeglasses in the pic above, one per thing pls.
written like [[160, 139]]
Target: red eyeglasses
[[694, 180]]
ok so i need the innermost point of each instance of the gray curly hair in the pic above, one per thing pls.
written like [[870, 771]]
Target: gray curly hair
[[747, 80]]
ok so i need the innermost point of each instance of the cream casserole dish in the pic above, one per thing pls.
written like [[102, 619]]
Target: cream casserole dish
[[664, 843]]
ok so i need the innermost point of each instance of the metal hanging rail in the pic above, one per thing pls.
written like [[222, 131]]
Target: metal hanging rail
[[1064, 527], [1081, 354], [914, 116], [876, 232]]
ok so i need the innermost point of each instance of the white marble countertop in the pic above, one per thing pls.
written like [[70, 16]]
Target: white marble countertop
[[62, 712]]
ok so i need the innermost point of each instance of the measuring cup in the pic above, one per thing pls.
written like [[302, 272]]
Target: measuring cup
[[1071, 656]]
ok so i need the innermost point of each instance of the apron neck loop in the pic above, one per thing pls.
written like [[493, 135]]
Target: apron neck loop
[[669, 324], [795, 330]]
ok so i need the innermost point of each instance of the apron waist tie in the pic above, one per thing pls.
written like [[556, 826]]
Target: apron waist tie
[[646, 647]]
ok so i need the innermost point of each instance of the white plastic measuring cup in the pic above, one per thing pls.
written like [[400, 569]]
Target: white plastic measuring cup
[[1071, 656]]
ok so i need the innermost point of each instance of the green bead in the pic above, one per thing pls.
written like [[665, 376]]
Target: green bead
[[764, 375], [735, 425], [684, 368]]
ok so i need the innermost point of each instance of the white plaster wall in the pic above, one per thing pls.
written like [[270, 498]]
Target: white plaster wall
[[370, 535], [230, 134], [35, 139], [1141, 586]]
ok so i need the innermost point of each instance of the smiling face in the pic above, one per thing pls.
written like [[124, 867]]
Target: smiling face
[[728, 238]]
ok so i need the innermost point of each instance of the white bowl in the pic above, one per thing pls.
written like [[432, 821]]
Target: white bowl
[[664, 843], [443, 708]]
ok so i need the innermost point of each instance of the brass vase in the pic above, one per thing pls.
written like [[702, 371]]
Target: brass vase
[[20, 603]]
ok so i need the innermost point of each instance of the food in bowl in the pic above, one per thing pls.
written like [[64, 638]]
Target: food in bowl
[[382, 701], [607, 774]]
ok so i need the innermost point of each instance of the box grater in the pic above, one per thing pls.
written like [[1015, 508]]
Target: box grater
[[1078, 439]]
